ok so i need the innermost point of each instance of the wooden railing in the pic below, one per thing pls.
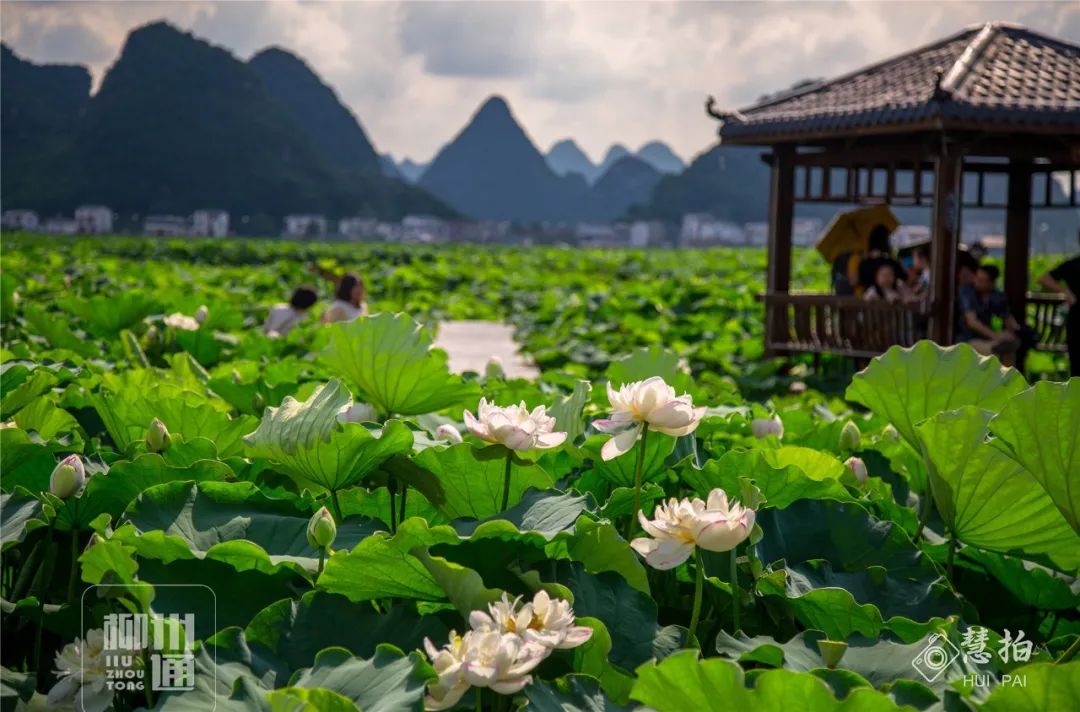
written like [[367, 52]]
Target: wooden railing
[[849, 326], [1044, 316]]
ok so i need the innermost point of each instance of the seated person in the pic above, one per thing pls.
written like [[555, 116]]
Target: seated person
[[879, 252], [283, 317], [350, 300], [887, 286], [919, 276], [981, 303]]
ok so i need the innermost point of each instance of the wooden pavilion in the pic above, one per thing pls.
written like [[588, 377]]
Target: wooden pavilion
[[933, 127]]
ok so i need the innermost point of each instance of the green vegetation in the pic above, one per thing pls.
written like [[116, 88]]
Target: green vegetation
[[846, 541]]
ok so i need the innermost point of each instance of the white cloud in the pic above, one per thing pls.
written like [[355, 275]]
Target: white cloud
[[600, 72]]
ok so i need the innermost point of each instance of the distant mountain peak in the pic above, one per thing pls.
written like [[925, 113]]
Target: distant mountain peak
[[566, 157], [494, 107], [660, 156]]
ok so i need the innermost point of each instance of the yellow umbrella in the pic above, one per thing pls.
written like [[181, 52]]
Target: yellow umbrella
[[850, 231]]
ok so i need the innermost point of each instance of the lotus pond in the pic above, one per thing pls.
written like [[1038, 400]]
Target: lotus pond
[[196, 516]]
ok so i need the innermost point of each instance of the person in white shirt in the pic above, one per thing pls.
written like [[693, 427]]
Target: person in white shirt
[[283, 317], [349, 300]]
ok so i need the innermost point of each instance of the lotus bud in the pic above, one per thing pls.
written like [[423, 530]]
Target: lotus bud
[[358, 413], [797, 387], [858, 468], [321, 529], [850, 436], [764, 427], [95, 539], [68, 477], [448, 433], [157, 436], [494, 369], [832, 651], [890, 434], [201, 313], [258, 401]]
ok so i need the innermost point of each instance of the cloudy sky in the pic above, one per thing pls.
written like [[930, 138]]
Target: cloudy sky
[[599, 72]]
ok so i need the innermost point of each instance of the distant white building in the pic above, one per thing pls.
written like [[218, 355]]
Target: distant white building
[[704, 230], [94, 219], [647, 233], [424, 228], [357, 228], [602, 234], [388, 231], [165, 225], [305, 226], [210, 223], [19, 220], [60, 226]]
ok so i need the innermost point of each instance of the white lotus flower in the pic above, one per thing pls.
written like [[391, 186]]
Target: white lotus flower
[[514, 426], [201, 313], [358, 413], [858, 468], [68, 477], [181, 321], [448, 433], [680, 525], [764, 427], [490, 659], [652, 402], [82, 674], [544, 620]]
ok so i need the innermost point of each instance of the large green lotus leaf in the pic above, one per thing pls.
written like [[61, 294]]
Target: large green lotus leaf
[[465, 481], [49, 422], [20, 514], [844, 534], [387, 682], [296, 630], [591, 659], [909, 385], [104, 316], [57, 331], [984, 497], [111, 492], [305, 441], [1040, 429], [390, 359], [230, 522], [647, 362], [684, 682], [573, 693], [1034, 585], [24, 462], [567, 411], [128, 412], [620, 471], [546, 512], [299, 699], [780, 484], [1046, 688], [463, 586], [21, 382]]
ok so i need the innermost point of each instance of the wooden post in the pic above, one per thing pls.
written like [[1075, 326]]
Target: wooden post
[[781, 213], [946, 231], [1018, 237]]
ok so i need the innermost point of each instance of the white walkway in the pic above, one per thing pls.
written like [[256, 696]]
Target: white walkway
[[471, 344]]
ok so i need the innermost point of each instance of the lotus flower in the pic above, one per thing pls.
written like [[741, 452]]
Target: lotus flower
[[490, 659], [680, 525], [448, 433], [890, 434], [650, 402], [850, 436], [321, 529], [201, 313], [181, 321], [83, 674], [157, 436], [764, 427], [358, 413], [514, 426], [546, 621], [68, 477], [858, 468]]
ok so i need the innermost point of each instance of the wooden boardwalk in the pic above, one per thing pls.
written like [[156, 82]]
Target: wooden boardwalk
[[471, 344]]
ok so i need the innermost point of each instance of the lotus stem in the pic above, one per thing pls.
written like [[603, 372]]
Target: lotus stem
[[404, 498], [74, 564], [951, 555], [391, 485], [699, 587], [638, 471], [1069, 652], [322, 562], [924, 514], [506, 481], [337, 506], [479, 696], [734, 592]]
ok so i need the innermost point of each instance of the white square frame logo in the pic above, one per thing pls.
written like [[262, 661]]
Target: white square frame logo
[[140, 624]]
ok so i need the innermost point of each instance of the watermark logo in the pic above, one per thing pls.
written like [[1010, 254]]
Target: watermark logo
[[940, 653]]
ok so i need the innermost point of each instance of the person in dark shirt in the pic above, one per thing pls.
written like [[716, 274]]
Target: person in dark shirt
[[878, 253], [1065, 280], [981, 303]]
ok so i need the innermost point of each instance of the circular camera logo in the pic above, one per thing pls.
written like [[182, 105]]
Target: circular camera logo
[[935, 658]]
